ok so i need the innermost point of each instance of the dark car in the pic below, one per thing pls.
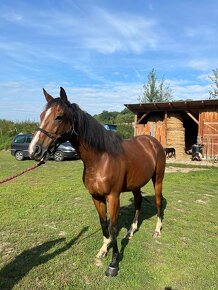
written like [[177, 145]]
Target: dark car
[[20, 146]]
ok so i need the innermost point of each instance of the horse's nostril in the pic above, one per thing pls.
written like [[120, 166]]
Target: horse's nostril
[[38, 149]]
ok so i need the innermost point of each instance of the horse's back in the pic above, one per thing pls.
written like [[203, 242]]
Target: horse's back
[[145, 145], [144, 157]]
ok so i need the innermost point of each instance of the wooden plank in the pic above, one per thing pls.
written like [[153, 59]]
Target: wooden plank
[[191, 116], [135, 125], [165, 124], [210, 126], [142, 117]]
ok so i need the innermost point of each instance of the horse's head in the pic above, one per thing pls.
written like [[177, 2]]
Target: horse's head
[[55, 121]]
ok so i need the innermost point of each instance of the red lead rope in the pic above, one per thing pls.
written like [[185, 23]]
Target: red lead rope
[[28, 169]]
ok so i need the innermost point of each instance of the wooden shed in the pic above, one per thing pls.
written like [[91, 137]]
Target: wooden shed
[[179, 124]]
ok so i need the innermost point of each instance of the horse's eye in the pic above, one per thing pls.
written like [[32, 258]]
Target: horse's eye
[[59, 118]]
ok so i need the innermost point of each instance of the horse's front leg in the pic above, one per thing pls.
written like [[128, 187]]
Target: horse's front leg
[[114, 206], [138, 201], [100, 204]]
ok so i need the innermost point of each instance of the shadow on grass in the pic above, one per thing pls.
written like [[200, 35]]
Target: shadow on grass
[[148, 210], [13, 272]]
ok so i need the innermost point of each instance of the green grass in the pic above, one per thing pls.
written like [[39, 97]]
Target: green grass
[[50, 233]]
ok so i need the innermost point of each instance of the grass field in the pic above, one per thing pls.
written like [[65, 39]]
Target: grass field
[[50, 233]]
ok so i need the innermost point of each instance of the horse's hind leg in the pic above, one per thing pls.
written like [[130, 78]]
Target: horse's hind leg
[[138, 202], [157, 181]]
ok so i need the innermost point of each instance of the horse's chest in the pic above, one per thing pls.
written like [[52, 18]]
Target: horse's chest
[[104, 177], [95, 182]]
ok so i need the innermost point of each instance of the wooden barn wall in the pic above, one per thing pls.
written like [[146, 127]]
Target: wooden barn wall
[[157, 130], [208, 132]]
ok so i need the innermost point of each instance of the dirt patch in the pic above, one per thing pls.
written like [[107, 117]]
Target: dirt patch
[[6, 250], [172, 169], [188, 161], [200, 201]]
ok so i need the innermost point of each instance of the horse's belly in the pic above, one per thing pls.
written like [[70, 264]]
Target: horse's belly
[[140, 166], [138, 178]]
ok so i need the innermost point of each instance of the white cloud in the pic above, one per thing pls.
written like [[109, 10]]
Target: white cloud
[[103, 31], [12, 16], [204, 77], [111, 33], [202, 64], [183, 90]]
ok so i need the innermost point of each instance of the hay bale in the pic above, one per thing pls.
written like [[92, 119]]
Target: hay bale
[[176, 134]]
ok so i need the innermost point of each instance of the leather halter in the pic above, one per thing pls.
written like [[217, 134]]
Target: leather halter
[[57, 139], [50, 135]]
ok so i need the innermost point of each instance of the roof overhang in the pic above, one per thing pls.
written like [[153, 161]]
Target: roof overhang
[[199, 105]]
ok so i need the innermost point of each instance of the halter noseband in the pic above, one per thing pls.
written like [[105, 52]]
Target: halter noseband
[[50, 135]]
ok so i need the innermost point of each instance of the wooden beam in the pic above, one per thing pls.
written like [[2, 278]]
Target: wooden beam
[[135, 124], [211, 126], [165, 124], [142, 117], [192, 117]]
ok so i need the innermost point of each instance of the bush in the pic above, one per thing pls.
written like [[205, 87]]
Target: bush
[[9, 129]]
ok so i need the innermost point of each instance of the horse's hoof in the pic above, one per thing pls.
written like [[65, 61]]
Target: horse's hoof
[[111, 272]]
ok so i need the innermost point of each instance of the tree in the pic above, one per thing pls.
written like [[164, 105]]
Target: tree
[[155, 90], [106, 117], [214, 79], [125, 117]]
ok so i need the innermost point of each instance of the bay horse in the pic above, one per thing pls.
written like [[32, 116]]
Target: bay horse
[[111, 165]]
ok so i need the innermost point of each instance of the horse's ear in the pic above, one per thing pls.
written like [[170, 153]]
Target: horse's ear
[[63, 95], [47, 96]]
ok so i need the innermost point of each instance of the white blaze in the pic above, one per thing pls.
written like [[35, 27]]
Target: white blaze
[[36, 136]]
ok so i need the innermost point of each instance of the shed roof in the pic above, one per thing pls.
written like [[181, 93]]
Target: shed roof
[[200, 105]]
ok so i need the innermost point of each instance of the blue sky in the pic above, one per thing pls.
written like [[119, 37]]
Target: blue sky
[[102, 51]]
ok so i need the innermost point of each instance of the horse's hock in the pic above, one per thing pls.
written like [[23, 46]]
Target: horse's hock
[[176, 134]]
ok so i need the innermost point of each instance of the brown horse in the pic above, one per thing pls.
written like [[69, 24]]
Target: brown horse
[[111, 165]]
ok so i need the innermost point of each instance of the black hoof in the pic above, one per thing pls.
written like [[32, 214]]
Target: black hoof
[[111, 272]]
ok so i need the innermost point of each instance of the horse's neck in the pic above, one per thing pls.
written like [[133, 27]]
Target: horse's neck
[[86, 153]]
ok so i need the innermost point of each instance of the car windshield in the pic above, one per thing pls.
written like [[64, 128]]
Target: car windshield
[[20, 139], [67, 143], [23, 139]]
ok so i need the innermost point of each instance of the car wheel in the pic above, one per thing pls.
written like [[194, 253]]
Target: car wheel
[[19, 155], [58, 156]]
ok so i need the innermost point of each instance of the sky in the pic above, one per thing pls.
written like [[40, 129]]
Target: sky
[[102, 51]]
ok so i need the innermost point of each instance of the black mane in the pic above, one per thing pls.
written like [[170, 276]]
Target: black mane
[[89, 129], [94, 134]]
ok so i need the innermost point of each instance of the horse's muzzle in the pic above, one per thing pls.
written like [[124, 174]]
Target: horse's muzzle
[[38, 153]]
